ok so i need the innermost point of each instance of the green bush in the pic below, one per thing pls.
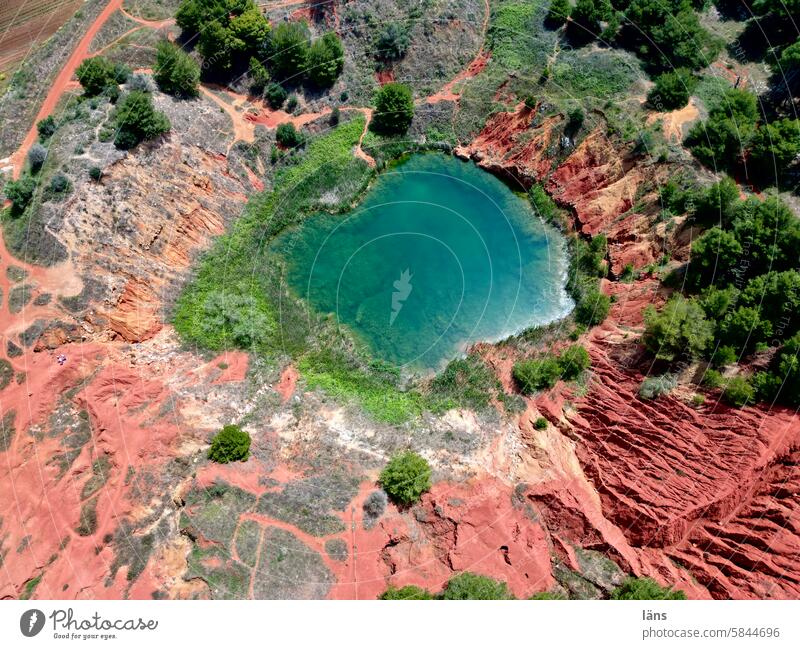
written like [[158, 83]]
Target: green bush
[[46, 127], [558, 13], [231, 444], [325, 60], [655, 386], [394, 109], [176, 72], [95, 173], [37, 154], [137, 120], [573, 361], [592, 308], [20, 192], [259, 75], [290, 42], [275, 95], [672, 90], [679, 328], [287, 136], [540, 423], [544, 595], [392, 43], [96, 74], [645, 588], [406, 592], [468, 585], [406, 477], [537, 374], [738, 391]]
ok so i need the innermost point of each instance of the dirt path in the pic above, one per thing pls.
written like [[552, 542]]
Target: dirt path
[[61, 83]]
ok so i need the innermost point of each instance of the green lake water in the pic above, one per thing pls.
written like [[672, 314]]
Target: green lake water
[[438, 255]]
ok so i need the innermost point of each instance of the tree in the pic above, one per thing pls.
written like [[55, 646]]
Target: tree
[[406, 592], [406, 477], [392, 43], [586, 16], [672, 90], [716, 204], [176, 72], [738, 391], [290, 43], [96, 74], [37, 154], [772, 234], [251, 29], [275, 95], [231, 444], [645, 588], [774, 147], [573, 360], [325, 60], [137, 120], [533, 375], [776, 297], [714, 256], [468, 585], [558, 13], [46, 127], [394, 109], [259, 76], [287, 136], [680, 327], [20, 192], [721, 140], [217, 45], [744, 329]]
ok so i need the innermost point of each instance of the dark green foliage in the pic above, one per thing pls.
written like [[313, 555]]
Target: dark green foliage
[[771, 233], [290, 43], [406, 592], [782, 382], [679, 328], [96, 74], [231, 444], [645, 588], [468, 585], [776, 296], [137, 120], [20, 192], [540, 423], [672, 90], [714, 255], [738, 391], [721, 140], [545, 207], [467, 382], [715, 205], [275, 95], [545, 595], [392, 43], [537, 374], [394, 109], [176, 72], [773, 147], [59, 184], [325, 60], [95, 173], [287, 136], [291, 103], [558, 13], [46, 127], [259, 76], [335, 116], [586, 16], [744, 329], [406, 477]]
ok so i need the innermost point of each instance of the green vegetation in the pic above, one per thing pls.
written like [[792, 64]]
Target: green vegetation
[[558, 13], [98, 75], [646, 589], [406, 477], [290, 43], [20, 192], [231, 444], [406, 592], [394, 109], [137, 120], [672, 90], [540, 423], [287, 136], [176, 72], [46, 127], [392, 43], [655, 386], [325, 60], [37, 154], [468, 585], [542, 373], [679, 328]]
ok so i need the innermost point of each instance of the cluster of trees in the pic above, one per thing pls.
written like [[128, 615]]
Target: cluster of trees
[[234, 37], [468, 585], [137, 120], [532, 375], [394, 109], [743, 291], [176, 72], [665, 35], [735, 135], [99, 76]]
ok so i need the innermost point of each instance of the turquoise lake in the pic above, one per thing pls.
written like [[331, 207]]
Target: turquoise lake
[[439, 254]]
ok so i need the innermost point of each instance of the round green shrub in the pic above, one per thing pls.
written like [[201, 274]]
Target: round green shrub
[[231, 444], [406, 592], [468, 585], [406, 477], [540, 423], [645, 588]]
